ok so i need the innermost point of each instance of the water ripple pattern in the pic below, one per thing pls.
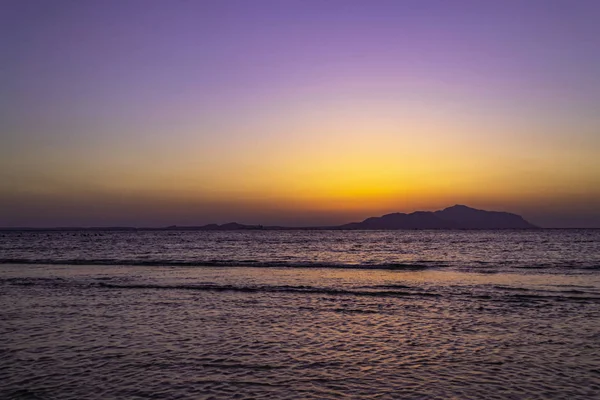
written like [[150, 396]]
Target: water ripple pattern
[[563, 250], [464, 315]]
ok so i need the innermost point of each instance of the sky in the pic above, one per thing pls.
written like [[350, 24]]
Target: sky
[[187, 112]]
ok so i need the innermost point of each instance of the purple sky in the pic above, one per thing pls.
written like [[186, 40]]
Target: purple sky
[[297, 112]]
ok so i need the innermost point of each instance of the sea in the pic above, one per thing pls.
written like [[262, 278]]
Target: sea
[[300, 314]]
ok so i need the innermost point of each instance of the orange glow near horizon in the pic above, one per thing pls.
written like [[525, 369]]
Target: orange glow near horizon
[[298, 117], [352, 167]]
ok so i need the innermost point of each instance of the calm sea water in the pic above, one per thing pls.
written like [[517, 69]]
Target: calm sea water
[[562, 251], [300, 314]]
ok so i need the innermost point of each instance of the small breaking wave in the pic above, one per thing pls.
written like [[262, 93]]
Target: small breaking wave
[[420, 265], [271, 289], [496, 292], [213, 287]]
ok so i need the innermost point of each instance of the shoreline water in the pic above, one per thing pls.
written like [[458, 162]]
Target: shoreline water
[[180, 331], [113, 332]]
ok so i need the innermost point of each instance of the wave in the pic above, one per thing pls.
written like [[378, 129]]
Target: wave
[[58, 282], [270, 289], [556, 297], [567, 290], [224, 263], [418, 265], [498, 293], [212, 287]]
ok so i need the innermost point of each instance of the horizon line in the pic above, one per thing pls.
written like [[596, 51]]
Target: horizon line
[[233, 225]]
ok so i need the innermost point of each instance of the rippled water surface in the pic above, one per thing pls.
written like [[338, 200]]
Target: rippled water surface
[[412, 315], [471, 250]]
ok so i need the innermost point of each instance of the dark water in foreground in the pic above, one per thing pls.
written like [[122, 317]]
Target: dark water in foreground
[[411, 315]]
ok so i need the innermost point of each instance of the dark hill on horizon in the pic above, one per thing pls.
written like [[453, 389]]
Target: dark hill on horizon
[[455, 217]]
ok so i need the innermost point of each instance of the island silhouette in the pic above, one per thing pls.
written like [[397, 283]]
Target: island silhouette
[[455, 217]]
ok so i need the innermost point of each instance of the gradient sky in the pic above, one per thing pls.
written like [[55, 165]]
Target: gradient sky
[[151, 113]]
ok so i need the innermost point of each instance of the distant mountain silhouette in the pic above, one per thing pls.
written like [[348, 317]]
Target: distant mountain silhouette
[[471, 218], [455, 217]]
